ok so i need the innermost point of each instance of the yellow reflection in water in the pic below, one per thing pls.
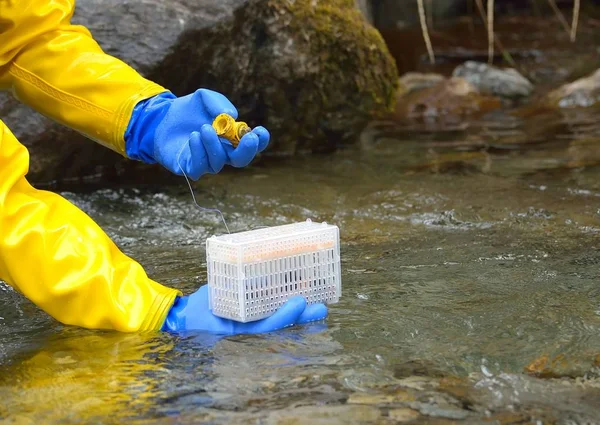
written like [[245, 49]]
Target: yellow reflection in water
[[82, 376]]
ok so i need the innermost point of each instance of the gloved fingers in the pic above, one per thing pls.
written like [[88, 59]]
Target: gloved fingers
[[263, 137], [312, 313], [245, 151], [193, 157], [287, 315], [215, 103], [215, 153], [181, 162]]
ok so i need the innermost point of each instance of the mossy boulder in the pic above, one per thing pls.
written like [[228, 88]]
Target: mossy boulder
[[313, 72]]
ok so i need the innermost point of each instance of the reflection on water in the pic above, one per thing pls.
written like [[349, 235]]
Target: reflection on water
[[468, 253]]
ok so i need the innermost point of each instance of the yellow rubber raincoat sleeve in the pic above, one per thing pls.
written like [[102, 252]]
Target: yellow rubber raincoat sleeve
[[60, 71], [51, 251]]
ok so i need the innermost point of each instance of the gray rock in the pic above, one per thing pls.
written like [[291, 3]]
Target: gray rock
[[313, 73], [491, 80], [578, 94], [440, 412]]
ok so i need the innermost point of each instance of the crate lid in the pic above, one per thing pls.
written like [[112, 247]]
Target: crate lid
[[270, 233]]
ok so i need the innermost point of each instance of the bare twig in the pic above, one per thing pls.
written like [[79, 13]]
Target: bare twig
[[560, 16], [425, 32], [575, 20], [507, 57], [490, 20]]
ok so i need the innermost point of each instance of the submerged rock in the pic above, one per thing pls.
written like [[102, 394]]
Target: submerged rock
[[417, 368], [313, 73], [559, 366], [442, 412], [415, 81], [390, 397], [324, 415], [452, 98], [491, 80], [403, 415], [581, 93]]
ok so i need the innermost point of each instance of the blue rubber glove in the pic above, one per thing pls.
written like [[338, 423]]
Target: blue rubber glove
[[177, 131], [192, 313]]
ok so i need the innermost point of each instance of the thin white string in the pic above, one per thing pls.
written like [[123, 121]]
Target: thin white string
[[194, 196]]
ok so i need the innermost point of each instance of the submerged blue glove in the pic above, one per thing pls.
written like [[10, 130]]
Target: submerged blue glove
[[192, 313], [177, 131]]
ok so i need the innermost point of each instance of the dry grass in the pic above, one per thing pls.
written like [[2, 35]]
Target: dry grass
[[425, 31], [492, 37], [490, 28], [559, 15], [576, 6]]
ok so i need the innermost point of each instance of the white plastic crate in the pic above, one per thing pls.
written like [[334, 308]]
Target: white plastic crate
[[251, 274]]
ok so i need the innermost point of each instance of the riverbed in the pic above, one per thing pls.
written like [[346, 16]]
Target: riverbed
[[470, 270]]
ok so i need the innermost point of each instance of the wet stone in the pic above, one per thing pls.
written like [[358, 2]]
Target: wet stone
[[414, 81], [325, 415], [511, 418], [449, 99], [417, 368], [581, 93], [491, 80], [442, 412], [403, 415], [397, 396], [459, 388], [558, 366], [418, 383]]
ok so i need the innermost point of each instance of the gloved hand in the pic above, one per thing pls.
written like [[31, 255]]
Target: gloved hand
[[177, 131], [192, 313]]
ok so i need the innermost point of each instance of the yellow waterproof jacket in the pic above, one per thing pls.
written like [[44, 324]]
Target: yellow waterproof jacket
[[51, 251]]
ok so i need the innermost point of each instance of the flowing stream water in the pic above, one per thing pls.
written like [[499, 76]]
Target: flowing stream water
[[470, 275]]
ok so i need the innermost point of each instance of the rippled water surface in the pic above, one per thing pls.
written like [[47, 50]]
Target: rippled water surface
[[471, 262]]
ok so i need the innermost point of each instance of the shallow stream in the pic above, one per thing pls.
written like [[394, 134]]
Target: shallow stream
[[471, 267]]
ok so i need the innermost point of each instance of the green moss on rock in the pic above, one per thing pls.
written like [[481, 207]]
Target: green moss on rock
[[313, 72], [351, 44]]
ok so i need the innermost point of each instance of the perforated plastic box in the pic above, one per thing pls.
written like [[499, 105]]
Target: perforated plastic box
[[251, 274]]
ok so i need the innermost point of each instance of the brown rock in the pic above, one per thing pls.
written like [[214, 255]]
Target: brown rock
[[414, 81], [510, 418], [557, 367], [581, 93], [324, 415], [450, 98], [459, 388], [537, 366], [403, 415], [397, 396]]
